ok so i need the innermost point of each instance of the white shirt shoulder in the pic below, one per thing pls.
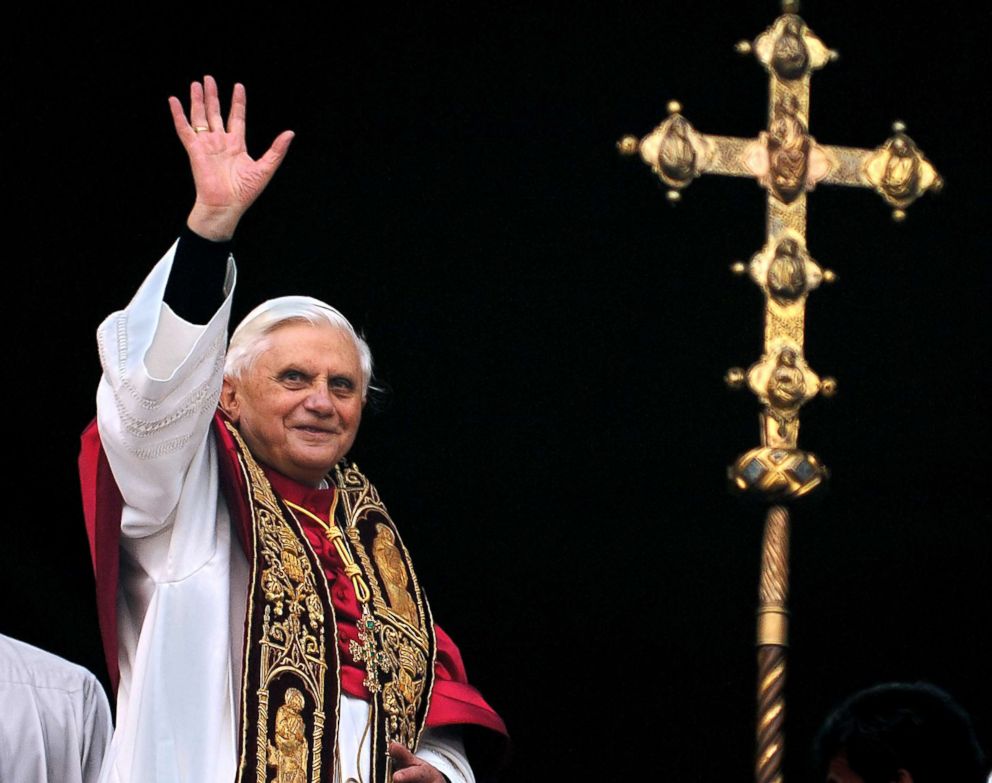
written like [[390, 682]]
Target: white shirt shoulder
[[55, 725]]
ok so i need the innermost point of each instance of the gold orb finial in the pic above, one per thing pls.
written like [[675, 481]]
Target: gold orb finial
[[743, 47], [738, 267], [628, 145], [790, 6], [734, 378], [834, 55], [674, 107], [828, 387], [898, 215], [898, 126], [674, 197], [829, 276]]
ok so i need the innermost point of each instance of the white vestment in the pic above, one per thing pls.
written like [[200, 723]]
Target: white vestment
[[54, 718], [183, 575]]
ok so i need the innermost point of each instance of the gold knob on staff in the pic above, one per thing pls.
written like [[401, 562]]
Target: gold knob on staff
[[628, 145], [734, 378]]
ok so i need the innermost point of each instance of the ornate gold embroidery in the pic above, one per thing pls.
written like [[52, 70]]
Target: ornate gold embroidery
[[289, 754], [395, 643], [405, 667], [293, 633], [393, 572], [402, 694], [395, 634], [361, 499], [395, 650]]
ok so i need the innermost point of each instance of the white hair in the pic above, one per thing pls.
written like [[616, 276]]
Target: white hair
[[248, 340]]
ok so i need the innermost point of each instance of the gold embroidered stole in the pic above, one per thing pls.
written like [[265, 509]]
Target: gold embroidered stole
[[291, 670], [396, 634]]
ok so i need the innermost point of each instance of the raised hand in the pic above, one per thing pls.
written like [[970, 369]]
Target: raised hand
[[227, 179], [410, 769]]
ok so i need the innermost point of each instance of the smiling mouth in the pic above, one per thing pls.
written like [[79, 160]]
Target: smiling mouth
[[309, 429]]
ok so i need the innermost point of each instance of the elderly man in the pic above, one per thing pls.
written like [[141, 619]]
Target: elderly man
[[254, 592]]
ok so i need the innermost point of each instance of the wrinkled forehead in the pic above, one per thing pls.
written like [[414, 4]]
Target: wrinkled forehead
[[319, 351]]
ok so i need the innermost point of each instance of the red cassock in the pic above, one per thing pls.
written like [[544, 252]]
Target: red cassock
[[453, 700]]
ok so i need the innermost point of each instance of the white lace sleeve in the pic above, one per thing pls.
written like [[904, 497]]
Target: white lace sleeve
[[161, 381]]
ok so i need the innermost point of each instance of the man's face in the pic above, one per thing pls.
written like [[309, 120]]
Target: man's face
[[299, 404]]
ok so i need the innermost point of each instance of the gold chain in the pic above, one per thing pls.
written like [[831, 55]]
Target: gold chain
[[336, 537]]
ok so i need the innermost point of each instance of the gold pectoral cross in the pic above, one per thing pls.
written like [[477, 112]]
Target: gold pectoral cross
[[365, 650]]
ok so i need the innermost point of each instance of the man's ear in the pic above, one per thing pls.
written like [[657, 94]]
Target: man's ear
[[229, 401]]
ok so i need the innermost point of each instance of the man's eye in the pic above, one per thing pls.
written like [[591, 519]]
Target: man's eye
[[342, 384], [292, 378]]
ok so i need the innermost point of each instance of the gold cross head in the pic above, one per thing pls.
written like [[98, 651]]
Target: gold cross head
[[788, 162]]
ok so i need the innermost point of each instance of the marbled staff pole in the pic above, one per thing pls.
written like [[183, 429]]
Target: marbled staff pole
[[773, 641], [788, 162]]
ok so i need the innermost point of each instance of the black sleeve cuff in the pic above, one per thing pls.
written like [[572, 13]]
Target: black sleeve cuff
[[195, 290]]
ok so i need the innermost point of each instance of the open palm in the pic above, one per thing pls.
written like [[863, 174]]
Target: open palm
[[226, 177]]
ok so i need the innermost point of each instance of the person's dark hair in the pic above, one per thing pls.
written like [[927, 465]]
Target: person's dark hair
[[916, 727]]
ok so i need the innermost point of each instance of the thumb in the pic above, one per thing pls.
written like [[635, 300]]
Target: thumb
[[401, 755], [273, 155]]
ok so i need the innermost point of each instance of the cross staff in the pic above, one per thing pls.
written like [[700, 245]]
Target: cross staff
[[788, 162]]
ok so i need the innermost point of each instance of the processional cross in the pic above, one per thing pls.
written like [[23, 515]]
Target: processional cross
[[788, 162]]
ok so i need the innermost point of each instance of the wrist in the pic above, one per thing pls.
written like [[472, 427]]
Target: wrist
[[214, 223]]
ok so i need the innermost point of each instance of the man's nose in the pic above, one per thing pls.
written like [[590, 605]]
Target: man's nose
[[320, 401]]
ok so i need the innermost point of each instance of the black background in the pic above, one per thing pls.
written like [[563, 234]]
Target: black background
[[553, 337]]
